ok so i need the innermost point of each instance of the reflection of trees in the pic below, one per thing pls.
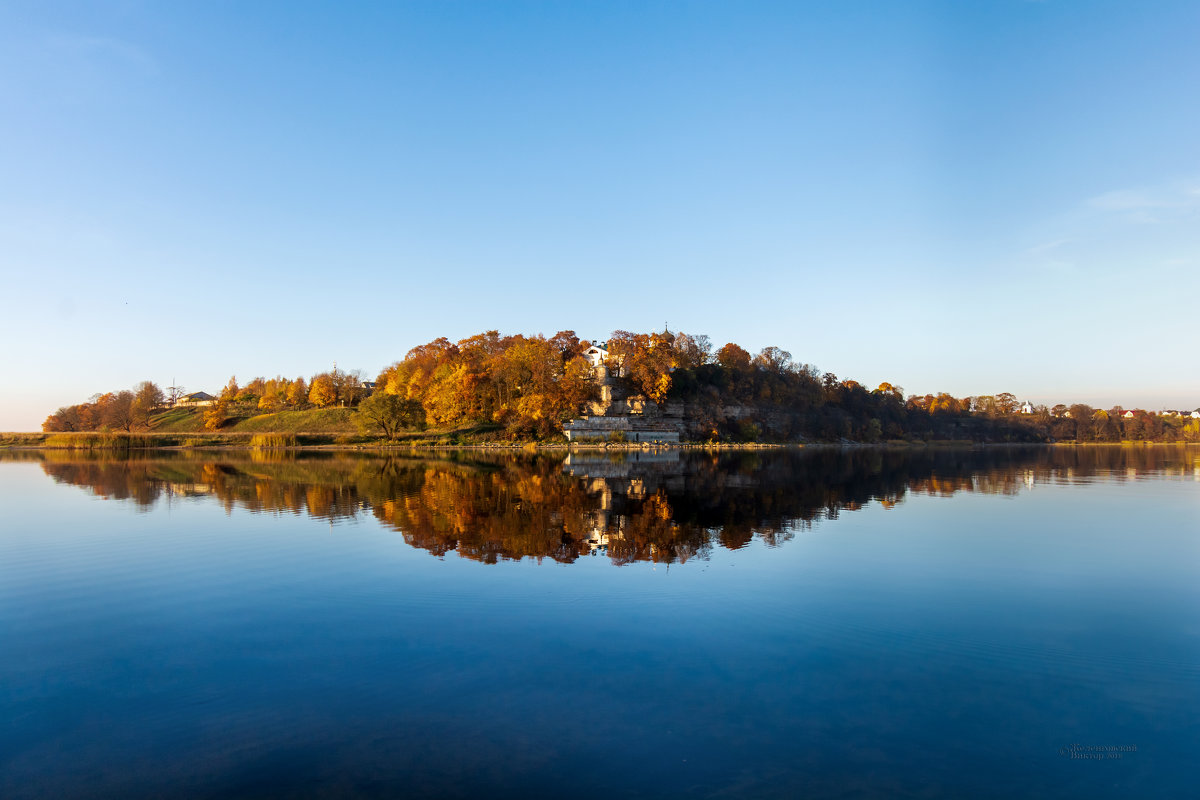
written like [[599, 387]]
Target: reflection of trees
[[664, 508]]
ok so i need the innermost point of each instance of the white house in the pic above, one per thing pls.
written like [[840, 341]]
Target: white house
[[1027, 407], [596, 355], [196, 399]]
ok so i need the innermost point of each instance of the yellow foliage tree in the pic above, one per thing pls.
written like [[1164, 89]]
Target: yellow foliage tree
[[322, 393], [272, 398], [216, 414], [297, 393]]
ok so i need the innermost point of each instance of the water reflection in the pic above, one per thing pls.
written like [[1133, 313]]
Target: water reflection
[[937, 649], [666, 506]]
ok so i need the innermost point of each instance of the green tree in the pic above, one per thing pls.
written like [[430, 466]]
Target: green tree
[[389, 414]]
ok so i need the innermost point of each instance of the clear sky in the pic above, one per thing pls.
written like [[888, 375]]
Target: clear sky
[[967, 197]]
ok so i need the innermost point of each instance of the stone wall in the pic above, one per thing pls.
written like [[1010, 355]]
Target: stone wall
[[626, 429]]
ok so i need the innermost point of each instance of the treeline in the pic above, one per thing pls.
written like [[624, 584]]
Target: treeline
[[126, 410], [525, 387], [529, 385], [1082, 423], [134, 410], [272, 395]]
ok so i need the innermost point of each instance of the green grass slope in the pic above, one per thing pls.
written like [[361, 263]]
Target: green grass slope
[[316, 420], [248, 420]]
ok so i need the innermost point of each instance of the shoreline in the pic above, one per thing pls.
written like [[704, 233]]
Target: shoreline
[[125, 442]]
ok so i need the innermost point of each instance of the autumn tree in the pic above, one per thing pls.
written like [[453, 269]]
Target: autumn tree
[[412, 376], [1006, 403], [733, 357], [920, 402], [567, 345], [773, 359], [454, 394], [1081, 414], [274, 395], [529, 384], [118, 411], [297, 393], [92, 412], [148, 398], [67, 418], [890, 392], [322, 393], [535, 371], [252, 390], [576, 387], [945, 403], [339, 386], [349, 386], [984, 404], [217, 413], [692, 352], [832, 388], [646, 359]]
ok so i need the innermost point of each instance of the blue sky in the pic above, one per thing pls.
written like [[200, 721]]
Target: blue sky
[[964, 197]]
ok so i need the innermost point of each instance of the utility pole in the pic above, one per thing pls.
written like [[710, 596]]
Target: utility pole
[[173, 393]]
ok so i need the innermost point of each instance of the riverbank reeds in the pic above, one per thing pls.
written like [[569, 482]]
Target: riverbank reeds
[[99, 441], [273, 440]]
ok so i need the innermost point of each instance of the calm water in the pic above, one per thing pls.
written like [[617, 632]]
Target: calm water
[[818, 624]]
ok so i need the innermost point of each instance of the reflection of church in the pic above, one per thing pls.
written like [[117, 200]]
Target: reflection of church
[[612, 480], [190, 489]]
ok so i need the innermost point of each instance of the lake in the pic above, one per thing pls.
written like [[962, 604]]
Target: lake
[[915, 622]]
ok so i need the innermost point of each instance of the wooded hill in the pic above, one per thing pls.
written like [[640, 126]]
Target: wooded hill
[[524, 387]]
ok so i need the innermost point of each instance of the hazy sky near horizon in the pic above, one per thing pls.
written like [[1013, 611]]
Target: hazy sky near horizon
[[965, 197]]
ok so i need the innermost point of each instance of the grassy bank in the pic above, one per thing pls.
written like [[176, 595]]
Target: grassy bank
[[249, 420], [334, 428], [246, 427]]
